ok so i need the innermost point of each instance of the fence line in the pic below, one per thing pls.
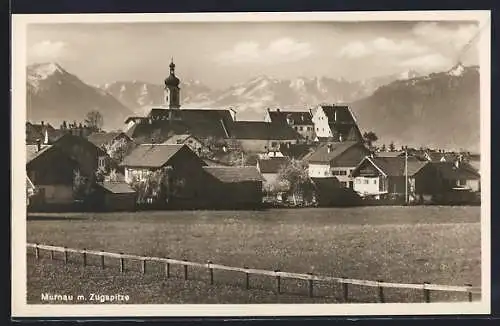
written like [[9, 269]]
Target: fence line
[[425, 287]]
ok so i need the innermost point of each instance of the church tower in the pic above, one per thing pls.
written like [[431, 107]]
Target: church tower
[[172, 90]]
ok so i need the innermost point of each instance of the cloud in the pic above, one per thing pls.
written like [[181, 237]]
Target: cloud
[[48, 50], [381, 46], [442, 35], [280, 50], [427, 62]]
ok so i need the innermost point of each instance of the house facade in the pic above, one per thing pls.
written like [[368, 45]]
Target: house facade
[[270, 167], [378, 176], [336, 159], [300, 121], [50, 173], [336, 123]]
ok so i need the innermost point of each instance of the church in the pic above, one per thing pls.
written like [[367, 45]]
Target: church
[[171, 119]]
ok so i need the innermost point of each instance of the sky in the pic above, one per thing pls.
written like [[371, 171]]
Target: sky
[[222, 54]]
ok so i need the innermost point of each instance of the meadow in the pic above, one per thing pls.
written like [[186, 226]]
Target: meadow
[[433, 244]]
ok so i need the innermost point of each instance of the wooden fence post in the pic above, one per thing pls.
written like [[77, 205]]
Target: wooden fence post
[[210, 272], [37, 251], [311, 285], [185, 270], [65, 255], [469, 293], [143, 269], [381, 293], [122, 263], [247, 279], [427, 294], [345, 290], [84, 257], [102, 260], [51, 254], [167, 269], [278, 282]]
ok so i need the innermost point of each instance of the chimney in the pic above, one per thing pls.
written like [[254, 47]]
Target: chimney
[[38, 145], [329, 148], [278, 110], [41, 123]]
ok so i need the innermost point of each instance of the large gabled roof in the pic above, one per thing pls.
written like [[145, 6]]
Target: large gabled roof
[[298, 117], [328, 152], [262, 130], [234, 174], [101, 138], [151, 155], [448, 170]]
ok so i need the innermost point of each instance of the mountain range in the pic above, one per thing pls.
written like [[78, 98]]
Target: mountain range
[[407, 108]]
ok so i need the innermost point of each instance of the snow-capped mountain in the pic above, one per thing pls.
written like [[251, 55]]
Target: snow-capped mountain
[[54, 95], [251, 98], [439, 110]]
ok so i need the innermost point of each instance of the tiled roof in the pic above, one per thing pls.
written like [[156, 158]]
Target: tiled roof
[[233, 174], [449, 171], [116, 187], [390, 154], [296, 151], [272, 164], [262, 130], [395, 166], [322, 155], [298, 117], [32, 152], [342, 113], [101, 138], [151, 155], [177, 139]]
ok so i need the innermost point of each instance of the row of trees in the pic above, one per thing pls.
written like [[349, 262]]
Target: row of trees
[[93, 121]]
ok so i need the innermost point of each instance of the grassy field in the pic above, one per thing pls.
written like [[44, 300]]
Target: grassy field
[[400, 244]]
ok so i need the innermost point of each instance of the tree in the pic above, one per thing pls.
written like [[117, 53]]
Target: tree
[[94, 120], [154, 188], [392, 147], [80, 185], [370, 137], [118, 149], [383, 148], [296, 178]]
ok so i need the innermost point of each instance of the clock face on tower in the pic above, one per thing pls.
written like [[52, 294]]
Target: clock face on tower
[[167, 96]]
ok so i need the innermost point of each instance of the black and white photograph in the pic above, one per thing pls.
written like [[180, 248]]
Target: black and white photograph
[[251, 164]]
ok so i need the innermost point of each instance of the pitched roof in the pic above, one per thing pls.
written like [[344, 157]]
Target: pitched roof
[[390, 154], [32, 152], [101, 138], [234, 174], [151, 155], [449, 171], [262, 130], [201, 123], [178, 139], [296, 151], [323, 155], [116, 187], [338, 113], [298, 117], [69, 139], [272, 164], [395, 166]]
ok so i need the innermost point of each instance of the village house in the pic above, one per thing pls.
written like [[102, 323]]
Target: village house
[[50, 176], [101, 139], [114, 196], [300, 121], [335, 123], [455, 176], [231, 187], [377, 176], [43, 132], [270, 167], [185, 168], [191, 141], [90, 157], [260, 136], [336, 159]]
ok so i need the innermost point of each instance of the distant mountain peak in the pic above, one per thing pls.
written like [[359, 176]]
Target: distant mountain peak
[[45, 70], [457, 70]]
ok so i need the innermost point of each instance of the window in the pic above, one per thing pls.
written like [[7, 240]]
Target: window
[[462, 182], [101, 163], [317, 129], [300, 128], [374, 181], [358, 181], [326, 172], [365, 181]]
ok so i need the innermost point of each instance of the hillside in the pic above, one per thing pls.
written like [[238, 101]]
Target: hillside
[[54, 95], [439, 110]]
